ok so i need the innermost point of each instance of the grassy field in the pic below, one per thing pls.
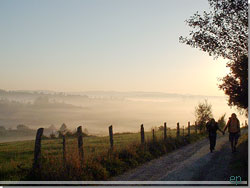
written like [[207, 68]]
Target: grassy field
[[16, 157]]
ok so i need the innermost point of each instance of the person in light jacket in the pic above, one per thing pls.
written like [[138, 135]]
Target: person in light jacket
[[233, 126]]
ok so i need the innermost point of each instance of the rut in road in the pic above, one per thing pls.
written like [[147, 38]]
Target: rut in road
[[193, 162]]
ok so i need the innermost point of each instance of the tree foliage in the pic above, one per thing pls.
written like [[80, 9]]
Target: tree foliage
[[52, 135], [222, 121], [203, 113], [22, 127], [2, 128], [63, 127], [62, 131], [160, 128], [235, 84], [86, 131], [223, 32]]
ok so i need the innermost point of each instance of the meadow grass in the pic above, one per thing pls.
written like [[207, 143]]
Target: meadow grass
[[100, 163]]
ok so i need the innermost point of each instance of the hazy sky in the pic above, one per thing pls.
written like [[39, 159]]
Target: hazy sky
[[122, 45]]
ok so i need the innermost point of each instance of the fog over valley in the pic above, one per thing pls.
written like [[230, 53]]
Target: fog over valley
[[96, 110]]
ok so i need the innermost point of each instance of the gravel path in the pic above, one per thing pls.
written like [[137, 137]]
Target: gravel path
[[193, 162]]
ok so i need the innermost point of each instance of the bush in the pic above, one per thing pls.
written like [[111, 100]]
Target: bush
[[222, 121], [52, 135], [113, 165], [94, 171], [129, 156], [143, 155], [203, 113]]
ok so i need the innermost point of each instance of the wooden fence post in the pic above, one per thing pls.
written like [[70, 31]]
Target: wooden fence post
[[153, 132], [195, 127], [189, 128], [111, 137], [178, 130], [37, 151], [80, 143], [165, 131], [64, 151], [142, 134]]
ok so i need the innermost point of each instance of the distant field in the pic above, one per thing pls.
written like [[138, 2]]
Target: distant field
[[16, 157]]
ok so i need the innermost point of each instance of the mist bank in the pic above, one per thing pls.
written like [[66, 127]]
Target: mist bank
[[29, 95], [96, 110]]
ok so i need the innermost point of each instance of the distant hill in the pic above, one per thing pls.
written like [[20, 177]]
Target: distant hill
[[87, 94]]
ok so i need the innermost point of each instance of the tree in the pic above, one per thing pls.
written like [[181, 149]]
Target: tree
[[52, 135], [203, 113], [52, 127], [62, 130], [222, 121], [223, 32], [68, 134], [2, 128], [22, 127], [86, 131], [235, 84], [160, 128]]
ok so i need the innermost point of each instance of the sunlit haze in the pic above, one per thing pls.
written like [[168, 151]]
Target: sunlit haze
[[103, 45], [119, 62]]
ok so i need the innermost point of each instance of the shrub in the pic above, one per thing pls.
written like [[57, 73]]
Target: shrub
[[113, 165], [203, 113], [129, 156]]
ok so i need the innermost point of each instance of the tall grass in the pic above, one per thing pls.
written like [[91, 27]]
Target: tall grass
[[100, 163], [108, 163], [239, 162]]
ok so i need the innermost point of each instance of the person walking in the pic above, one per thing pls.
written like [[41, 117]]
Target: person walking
[[233, 126], [212, 127]]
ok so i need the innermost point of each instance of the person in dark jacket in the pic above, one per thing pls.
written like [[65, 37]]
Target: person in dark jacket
[[212, 127]]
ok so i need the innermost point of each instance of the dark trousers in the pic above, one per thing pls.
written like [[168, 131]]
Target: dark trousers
[[212, 139]]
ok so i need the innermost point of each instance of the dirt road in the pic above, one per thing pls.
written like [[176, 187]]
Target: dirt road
[[193, 162]]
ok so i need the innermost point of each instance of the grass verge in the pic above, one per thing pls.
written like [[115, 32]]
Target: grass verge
[[107, 164], [239, 163]]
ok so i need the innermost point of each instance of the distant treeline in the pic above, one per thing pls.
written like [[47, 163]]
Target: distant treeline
[[35, 94], [51, 132]]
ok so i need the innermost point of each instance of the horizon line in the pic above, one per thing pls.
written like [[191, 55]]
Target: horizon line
[[107, 91]]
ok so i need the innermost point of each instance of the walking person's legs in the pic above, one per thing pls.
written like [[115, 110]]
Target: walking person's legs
[[211, 143], [234, 144], [236, 140], [231, 141], [214, 142]]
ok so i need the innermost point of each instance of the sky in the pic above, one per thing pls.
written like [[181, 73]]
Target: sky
[[125, 45]]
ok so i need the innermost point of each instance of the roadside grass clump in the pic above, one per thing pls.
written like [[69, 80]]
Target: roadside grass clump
[[129, 156], [239, 162], [156, 148], [113, 165], [54, 169], [143, 154]]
